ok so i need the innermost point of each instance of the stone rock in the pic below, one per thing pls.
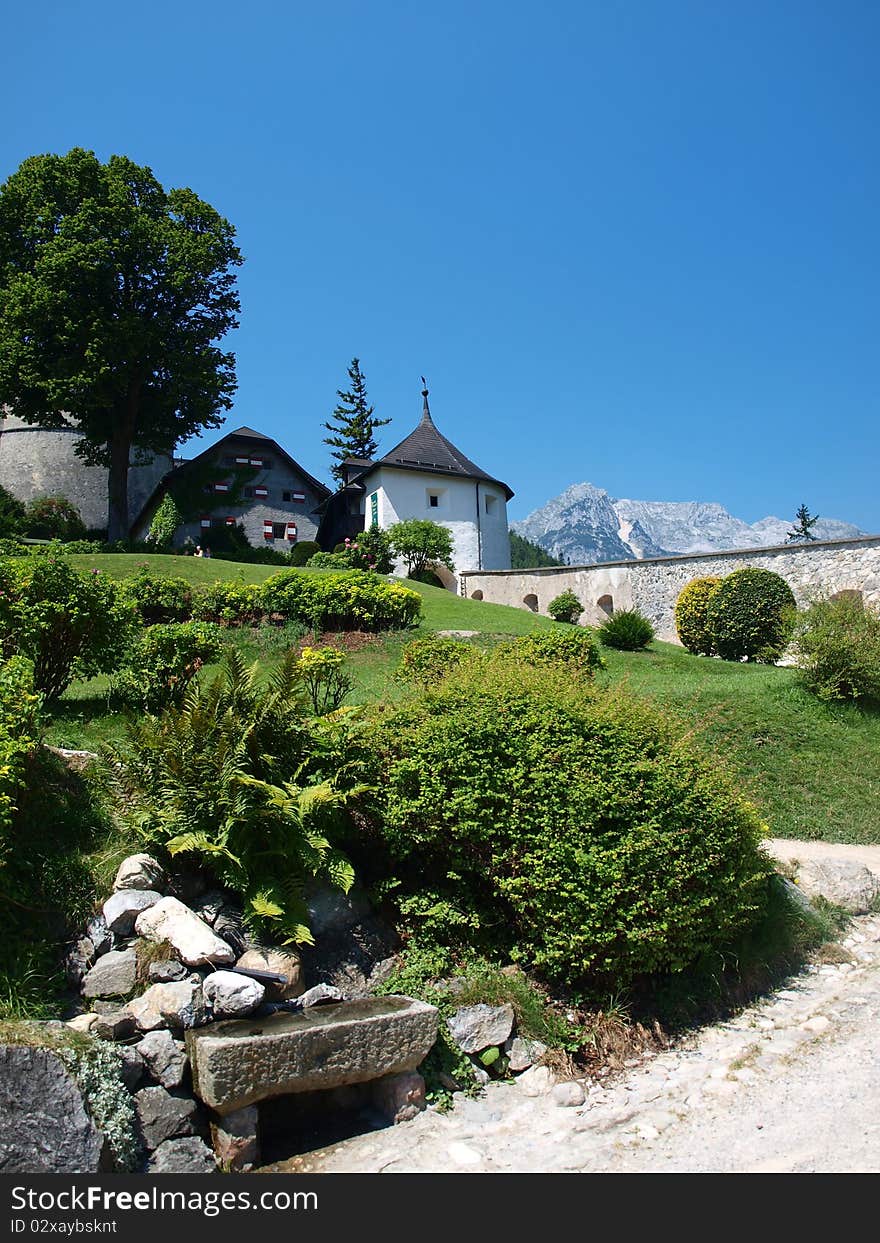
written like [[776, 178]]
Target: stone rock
[[320, 995], [179, 1005], [228, 925], [83, 1022], [169, 920], [235, 1139], [842, 881], [45, 1127], [166, 971], [119, 1025], [100, 935], [78, 959], [239, 1062], [400, 1098], [285, 963], [189, 1155], [132, 1065], [332, 912], [113, 975], [817, 1025], [164, 1058], [163, 1116], [568, 1094], [522, 1052], [139, 872], [123, 907], [232, 996], [536, 1081], [475, 1028]]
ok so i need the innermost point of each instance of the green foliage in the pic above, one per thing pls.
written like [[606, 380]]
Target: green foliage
[[303, 551], [526, 555], [574, 648], [802, 531], [68, 624], [157, 598], [371, 550], [329, 561], [353, 424], [166, 522], [577, 831], [427, 660], [420, 543], [751, 616], [19, 736], [324, 677], [692, 615], [837, 643], [230, 603], [210, 781], [113, 294], [565, 607], [53, 517], [12, 514], [354, 600], [628, 630], [162, 662]]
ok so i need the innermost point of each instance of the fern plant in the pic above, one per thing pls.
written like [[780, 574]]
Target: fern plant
[[209, 782]]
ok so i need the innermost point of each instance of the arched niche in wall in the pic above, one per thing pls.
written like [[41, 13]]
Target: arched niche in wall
[[606, 604], [476, 595], [531, 602]]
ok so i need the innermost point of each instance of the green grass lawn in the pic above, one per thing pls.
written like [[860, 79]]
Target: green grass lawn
[[811, 768]]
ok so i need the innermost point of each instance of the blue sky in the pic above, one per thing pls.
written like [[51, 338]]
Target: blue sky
[[631, 243]]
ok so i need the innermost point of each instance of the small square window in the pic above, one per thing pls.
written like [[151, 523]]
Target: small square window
[[279, 530], [433, 500], [285, 496]]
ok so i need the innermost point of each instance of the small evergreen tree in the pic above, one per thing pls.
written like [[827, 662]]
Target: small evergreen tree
[[166, 520], [353, 424], [804, 521]]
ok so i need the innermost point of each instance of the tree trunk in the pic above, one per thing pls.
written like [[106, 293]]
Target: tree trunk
[[117, 486]]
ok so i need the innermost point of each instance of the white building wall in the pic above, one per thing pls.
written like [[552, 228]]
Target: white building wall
[[404, 494]]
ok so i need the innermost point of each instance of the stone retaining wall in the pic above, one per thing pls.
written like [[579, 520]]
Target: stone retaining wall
[[652, 586]]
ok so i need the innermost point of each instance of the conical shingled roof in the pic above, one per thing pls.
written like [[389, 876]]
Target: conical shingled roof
[[427, 449]]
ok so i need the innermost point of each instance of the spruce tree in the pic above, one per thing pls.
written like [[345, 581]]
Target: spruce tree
[[353, 424], [804, 521]]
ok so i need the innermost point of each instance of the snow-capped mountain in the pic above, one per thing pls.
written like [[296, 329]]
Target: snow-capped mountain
[[584, 524]]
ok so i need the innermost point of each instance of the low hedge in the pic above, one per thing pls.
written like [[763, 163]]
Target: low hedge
[[352, 600], [157, 599], [230, 604]]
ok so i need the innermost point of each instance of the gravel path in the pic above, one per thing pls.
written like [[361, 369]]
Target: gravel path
[[792, 1084]]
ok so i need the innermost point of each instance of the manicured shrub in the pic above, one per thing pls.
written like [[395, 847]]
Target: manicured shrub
[[162, 662], [566, 607], [230, 604], [354, 600], [426, 661], [575, 648], [70, 625], [692, 615], [53, 517], [837, 643], [751, 616], [576, 832], [158, 599], [628, 630], [301, 552], [324, 677]]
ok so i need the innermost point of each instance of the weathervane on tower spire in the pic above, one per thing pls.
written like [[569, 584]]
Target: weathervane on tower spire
[[426, 413]]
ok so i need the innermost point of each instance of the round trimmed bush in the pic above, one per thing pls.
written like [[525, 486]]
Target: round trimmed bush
[[692, 615], [302, 551], [576, 832], [628, 630], [565, 607], [751, 616]]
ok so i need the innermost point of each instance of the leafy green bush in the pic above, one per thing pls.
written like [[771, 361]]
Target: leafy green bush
[[157, 599], [329, 561], [628, 630], [751, 616], [323, 675], [166, 521], [302, 551], [692, 615], [53, 517], [575, 649], [12, 514], [420, 543], [573, 831], [354, 600], [19, 736], [162, 662], [566, 607], [230, 604], [427, 660], [209, 782], [371, 550], [837, 643], [68, 624]]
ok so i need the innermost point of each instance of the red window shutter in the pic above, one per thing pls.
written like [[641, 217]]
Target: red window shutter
[[256, 461], [291, 531], [221, 487], [261, 491], [267, 530], [299, 496], [230, 522]]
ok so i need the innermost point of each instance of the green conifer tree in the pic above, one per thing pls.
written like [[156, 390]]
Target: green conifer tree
[[804, 521], [353, 424]]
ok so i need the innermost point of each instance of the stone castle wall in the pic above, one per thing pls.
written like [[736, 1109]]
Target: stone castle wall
[[652, 586]]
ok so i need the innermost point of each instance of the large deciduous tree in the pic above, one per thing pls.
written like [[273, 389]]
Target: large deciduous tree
[[353, 424], [114, 294]]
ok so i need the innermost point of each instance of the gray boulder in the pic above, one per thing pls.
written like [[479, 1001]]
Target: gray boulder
[[100, 935], [232, 996], [166, 971], [179, 1005], [523, 1053], [132, 1065], [139, 872], [78, 959], [45, 1127], [119, 1025], [842, 881], [164, 1058], [189, 1155], [122, 908], [194, 942], [162, 1116], [320, 995], [113, 975], [475, 1028]]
